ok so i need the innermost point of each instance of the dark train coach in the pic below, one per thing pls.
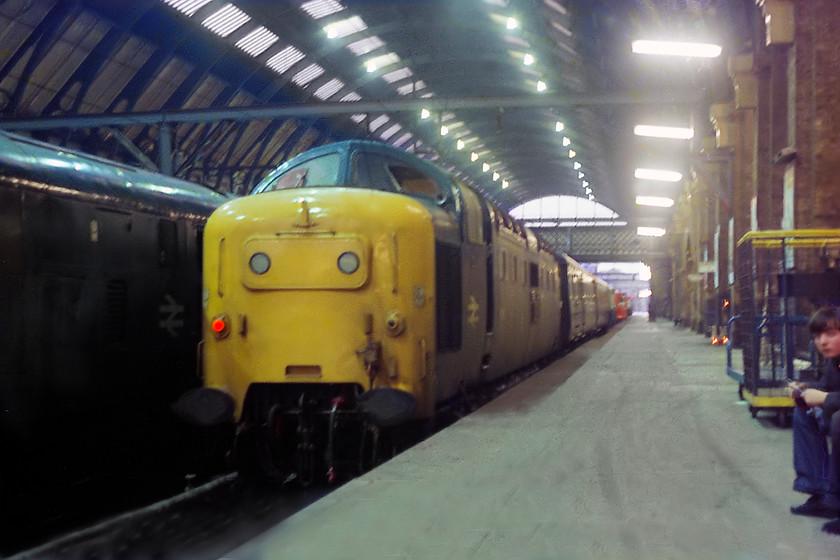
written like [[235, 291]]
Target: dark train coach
[[99, 314]]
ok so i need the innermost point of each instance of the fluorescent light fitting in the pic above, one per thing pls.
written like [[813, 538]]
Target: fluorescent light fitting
[[425, 114], [566, 141], [676, 48], [459, 145], [485, 167], [473, 156], [496, 175], [558, 126], [658, 201], [576, 165], [382, 61], [528, 60], [512, 23], [581, 175], [650, 231], [673, 132], [444, 130], [541, 86], [505, 184], [658, 175], [572, 154], [345, 27]]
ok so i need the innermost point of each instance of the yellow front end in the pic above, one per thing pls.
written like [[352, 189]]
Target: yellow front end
[[320, 286]]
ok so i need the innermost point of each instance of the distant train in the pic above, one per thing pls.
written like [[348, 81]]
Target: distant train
[[360, 285], [100, 292]]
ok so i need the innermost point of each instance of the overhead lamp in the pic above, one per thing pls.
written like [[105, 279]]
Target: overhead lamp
[[673, 132], [581, 175], [591, 197], [658, 201], [572, 154], [588, 190], [505, 184], [576, 165], [528, 60], [541, 85], [444, 130], [473, 156], [425, 114], [676, 48], [512, 23], [658, 175], [650, 231], [586, 183], [496, 175], [459, 144], [485, 167], [558, 126], [566, 141]]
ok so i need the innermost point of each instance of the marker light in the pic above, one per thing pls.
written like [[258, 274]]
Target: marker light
[[348, 262], [220, 326]]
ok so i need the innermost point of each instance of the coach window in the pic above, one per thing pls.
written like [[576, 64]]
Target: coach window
[[319, 171]]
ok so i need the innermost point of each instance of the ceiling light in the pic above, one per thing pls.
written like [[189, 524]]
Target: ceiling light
[[558, 126], [528, 60], [581, 175], [586, 183], [588, 190], [381, 61], [675, 132], [485, 167], [650, 231], [425, 114], [572, 153], [345, 27], [496, 176], [541, 86], [566, 141], [658, 175], [505, 184], [459, 144], [658, 201], [576, 165], [512, 23], [473, 156], [676, 48], [444, 130]]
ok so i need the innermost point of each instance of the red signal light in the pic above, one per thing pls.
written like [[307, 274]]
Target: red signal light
[[218, 325]]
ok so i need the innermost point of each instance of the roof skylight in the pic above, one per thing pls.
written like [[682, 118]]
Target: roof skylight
[[226, 20], [329, 89], [410, 88], [397, 75], [366, 45], [188, 7], [257, 41], [285, 59], [318, 9], [381, 61], [308, 74]]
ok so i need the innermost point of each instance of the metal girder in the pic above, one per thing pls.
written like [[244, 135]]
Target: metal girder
[[315, 110], [603, 244]]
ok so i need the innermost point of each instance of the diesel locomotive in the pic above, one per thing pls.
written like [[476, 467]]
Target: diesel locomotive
[[360, 286], [100, 292]]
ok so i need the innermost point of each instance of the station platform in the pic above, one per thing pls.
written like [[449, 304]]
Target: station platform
[[633, 446]]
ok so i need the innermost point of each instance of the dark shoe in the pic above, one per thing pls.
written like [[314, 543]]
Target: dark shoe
[[832, 527], [815, 507]]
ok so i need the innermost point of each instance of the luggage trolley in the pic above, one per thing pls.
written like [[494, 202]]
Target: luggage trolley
[[782, 277]]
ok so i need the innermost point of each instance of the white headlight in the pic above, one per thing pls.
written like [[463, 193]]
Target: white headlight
[[348, 262], [259, 263]]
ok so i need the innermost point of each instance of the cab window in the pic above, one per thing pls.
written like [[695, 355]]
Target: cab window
[[317, 172], [412, 181]]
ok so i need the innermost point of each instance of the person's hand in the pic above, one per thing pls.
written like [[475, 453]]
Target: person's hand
[[814, 397]]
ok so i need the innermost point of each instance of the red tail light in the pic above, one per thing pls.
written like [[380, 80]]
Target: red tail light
[[220, 326]]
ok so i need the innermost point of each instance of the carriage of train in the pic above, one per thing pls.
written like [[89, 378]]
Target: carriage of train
[[100, 289], [359, 287]]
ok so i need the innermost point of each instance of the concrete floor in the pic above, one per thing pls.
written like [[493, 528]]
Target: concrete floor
[[634, 446]]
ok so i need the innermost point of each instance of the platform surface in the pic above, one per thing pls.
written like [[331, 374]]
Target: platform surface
[[634, 446]]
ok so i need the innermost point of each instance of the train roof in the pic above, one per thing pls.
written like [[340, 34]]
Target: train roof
[[79, 175]]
